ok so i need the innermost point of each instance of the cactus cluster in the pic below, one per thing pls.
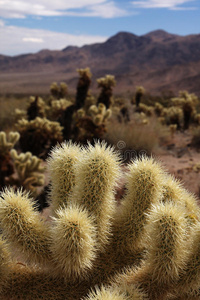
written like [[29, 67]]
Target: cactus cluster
[[7, 142], [59, 91], [91, 124], [38, 135], [145, 247], [29, 172]]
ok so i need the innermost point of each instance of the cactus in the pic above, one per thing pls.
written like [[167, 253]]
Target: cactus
[[29, 171], [61, 165], [173, 115], [144, 248], [7, 142], [59, 92], [83, 86], [39, 135], [187, 102], [106, 84], [138, 95], [91, 125], [36, 108], [144, 180]]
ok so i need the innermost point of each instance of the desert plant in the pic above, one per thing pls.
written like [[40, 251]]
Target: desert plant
[[82, 252], [83, 86], [59, 91], [29, 172], [173, 116], [187, 102], [136, 137], [138, 94], [36, 108], [91, 124], [106, 84], [39, 135], [7, 142]]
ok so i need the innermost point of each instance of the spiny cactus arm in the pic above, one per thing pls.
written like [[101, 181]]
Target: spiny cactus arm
[[173, 191], [116, 292], [8, 142], [107, 293], [61, 163], [144, 188], [190, 277], [23, 228], [74, 242], [167, 244], [96, 175]]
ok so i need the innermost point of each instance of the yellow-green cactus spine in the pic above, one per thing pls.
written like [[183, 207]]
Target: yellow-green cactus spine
[[188, 283], [61, 163], [22, 225], [144, 188], [74, 242], [107, 293], [173, 191], [96, 176]]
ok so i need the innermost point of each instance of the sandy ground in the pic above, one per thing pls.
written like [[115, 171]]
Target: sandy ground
[[183, 161]]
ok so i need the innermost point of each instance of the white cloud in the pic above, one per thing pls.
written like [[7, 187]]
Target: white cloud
[[170, 4], [23, 8], [33, 40], [19, 40]]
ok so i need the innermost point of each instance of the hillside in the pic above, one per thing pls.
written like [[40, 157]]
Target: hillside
[[159, 61]]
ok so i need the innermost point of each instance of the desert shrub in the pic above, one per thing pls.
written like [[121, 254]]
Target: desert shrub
[[139, 136]]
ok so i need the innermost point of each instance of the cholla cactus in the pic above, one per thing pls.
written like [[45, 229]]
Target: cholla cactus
[[59, 92], [39, 135], [187, 102], [91, 125], [7, 142], [138, 94], [29, 172], [106, 84], [56, 108], [144, 248], [83, 86], [173, 115], [36, 108], [147, 110], [158, 108], [61, 165], [99, 114]]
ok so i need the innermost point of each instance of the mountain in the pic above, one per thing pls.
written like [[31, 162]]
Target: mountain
[[158, 60]]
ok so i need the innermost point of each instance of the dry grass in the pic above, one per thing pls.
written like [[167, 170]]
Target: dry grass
[[136, 137], [8, 104]]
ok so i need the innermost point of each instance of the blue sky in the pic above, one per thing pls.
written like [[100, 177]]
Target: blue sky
[[27, 26]]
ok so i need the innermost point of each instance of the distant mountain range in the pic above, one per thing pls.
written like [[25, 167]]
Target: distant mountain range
[[159, 61]]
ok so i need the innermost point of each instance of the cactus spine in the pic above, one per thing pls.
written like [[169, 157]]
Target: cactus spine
[[144, 180], [74, 240], [61, 163], [96, 176], [23, 227]]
